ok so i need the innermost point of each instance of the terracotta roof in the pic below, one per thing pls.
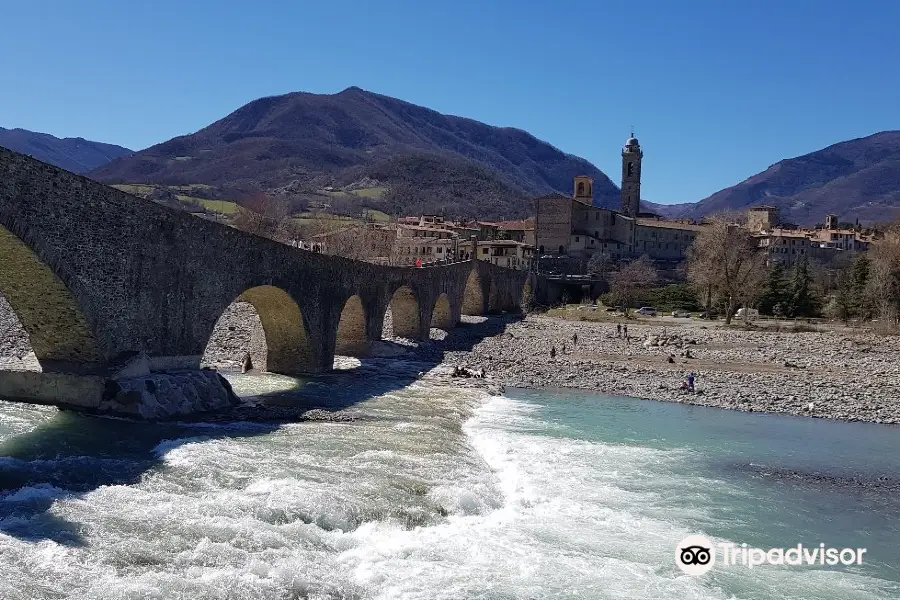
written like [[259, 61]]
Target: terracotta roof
[[554, 196], [669, 225], [785, 233], [524, 225], [501, 243]]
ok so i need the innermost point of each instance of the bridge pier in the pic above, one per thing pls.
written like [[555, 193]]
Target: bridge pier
[[59, 389], [130, 390]]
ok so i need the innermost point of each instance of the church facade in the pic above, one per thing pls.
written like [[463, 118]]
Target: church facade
[[574, 227]]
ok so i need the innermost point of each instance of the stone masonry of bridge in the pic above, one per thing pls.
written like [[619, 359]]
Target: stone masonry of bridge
[[110, 287]]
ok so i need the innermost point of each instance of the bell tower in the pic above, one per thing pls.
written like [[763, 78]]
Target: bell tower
[[584, 189], [631, 177]]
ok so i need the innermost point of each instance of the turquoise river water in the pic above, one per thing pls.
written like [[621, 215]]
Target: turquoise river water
[[437, 493]]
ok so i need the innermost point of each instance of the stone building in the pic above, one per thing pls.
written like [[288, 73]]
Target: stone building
[[574, 227], [511, 254], [785, 246], [762, 218]]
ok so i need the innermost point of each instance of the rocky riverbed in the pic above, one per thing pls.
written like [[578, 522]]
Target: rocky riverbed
[[831, 374]]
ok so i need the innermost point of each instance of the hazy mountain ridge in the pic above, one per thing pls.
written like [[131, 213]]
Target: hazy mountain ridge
[[72, 154]]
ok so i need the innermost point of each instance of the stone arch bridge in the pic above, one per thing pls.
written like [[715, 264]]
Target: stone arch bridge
[[97, 276]]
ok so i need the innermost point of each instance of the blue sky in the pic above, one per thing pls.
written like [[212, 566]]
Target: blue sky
[[716, 90]]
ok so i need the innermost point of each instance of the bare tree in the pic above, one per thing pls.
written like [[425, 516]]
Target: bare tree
[[725, 262], [600, 265], [366, 242], [627, 283], [265, 215], [884, 275]]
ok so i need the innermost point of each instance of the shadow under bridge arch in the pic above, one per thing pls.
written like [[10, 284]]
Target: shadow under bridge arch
[[283, 345]]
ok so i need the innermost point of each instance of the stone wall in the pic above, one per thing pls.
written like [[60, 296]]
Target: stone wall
[[553, 223]]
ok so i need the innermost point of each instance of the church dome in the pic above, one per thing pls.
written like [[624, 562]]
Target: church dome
[[632, 141]]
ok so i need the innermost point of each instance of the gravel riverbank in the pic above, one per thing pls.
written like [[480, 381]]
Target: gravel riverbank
[[837, 375]]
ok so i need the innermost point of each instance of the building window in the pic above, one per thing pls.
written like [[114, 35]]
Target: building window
[[484, 250], [577, 239], [562, 250]]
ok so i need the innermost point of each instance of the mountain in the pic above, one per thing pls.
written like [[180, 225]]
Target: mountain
[[854, 179], [72, 154], [302, 143]]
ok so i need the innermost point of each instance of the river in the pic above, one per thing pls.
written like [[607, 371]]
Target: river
[[435, 492]]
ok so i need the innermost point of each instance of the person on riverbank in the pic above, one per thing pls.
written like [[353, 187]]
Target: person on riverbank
[[575, 340], [625, 332], [618, 330], [690, 381]]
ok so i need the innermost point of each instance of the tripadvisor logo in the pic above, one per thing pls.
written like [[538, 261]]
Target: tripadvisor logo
[[696, 555]]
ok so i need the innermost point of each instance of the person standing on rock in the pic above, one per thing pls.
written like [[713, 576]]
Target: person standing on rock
[[618, 330], [553, 352], [575, 340], [247, 363], [691, 381], [625, 331]]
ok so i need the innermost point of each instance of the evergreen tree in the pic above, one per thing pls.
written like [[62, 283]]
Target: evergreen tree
[[775, 291], [802, 303], [860, 305], [840, 305]]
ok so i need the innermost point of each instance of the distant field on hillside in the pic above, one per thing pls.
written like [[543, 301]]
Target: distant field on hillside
[[378, 216], [134, 189], [325, 221], [220, 206], [375, 192]]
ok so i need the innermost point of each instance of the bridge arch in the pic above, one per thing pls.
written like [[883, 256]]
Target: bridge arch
[[442, 315], [351, 338], [57, 328], [285, 347], [473, 296], [405, 315]]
